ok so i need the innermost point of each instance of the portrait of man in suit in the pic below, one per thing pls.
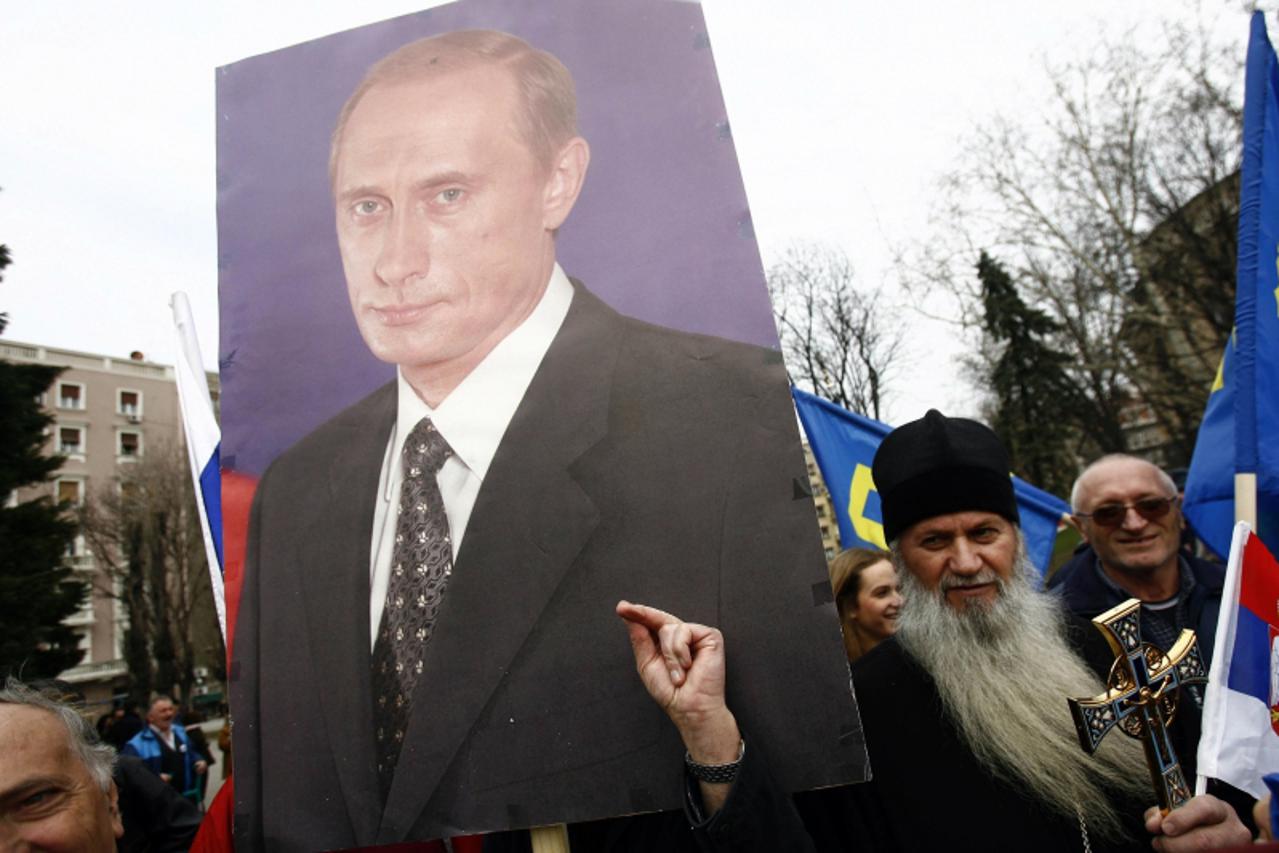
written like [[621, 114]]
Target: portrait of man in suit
[[426, 641]]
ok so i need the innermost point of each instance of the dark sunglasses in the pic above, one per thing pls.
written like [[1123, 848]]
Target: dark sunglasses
[[1113, 515]]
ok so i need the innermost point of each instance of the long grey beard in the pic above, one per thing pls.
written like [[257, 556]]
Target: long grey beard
[[1004, 672]]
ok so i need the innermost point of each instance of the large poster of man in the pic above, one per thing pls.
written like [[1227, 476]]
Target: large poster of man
[[496, 351]]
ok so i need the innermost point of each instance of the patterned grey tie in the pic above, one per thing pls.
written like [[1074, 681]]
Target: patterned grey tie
[[421, 563]]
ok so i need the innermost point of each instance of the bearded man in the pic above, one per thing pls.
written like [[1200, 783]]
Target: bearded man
[[964, 711]]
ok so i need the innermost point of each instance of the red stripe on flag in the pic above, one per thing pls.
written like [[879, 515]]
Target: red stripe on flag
[[1259, 581], [237, 500]]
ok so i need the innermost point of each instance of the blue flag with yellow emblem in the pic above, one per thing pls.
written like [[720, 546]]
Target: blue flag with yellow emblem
[[844, 445], [1240, 429]]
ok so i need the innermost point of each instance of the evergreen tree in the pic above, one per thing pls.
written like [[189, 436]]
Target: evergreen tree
[[1033, 395], [37, 589]]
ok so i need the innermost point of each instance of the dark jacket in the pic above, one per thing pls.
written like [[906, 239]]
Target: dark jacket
[[156, 818], [1086, 595], [643, 464]]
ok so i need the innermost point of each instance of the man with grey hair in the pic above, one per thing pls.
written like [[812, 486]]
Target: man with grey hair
[[423, 636], [964, 711], [1128, 513], [56, 790]]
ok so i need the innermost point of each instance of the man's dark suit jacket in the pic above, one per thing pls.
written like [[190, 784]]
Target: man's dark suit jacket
[[642, 463]]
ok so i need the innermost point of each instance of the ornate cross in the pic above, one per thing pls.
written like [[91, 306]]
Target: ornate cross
[[1141, 697]]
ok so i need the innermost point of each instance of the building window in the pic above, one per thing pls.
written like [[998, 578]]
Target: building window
[[70, 395], [129, 404], [129, 444], [71, 440], [71, 491], [75, 548], [821, 510]]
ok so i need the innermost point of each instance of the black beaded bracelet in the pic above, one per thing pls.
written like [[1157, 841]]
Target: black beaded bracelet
[[717, 773]]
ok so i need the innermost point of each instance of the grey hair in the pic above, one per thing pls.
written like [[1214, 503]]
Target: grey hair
[[97, 757], [1076, 490]]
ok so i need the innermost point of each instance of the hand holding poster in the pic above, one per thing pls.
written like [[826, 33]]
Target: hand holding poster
[[431, 649]]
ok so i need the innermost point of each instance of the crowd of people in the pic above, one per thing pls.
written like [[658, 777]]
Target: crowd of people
[[961, 664], [963, 708]]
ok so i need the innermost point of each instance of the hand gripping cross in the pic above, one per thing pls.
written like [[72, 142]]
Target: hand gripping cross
[[1141, 697]]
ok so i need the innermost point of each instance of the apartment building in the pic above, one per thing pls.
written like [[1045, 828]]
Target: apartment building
[[107, 412], [826, 518]]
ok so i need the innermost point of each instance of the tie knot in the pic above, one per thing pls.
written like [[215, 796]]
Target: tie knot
[[426, 448]]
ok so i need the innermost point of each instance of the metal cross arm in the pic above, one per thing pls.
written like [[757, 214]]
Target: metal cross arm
[[1141, 697]]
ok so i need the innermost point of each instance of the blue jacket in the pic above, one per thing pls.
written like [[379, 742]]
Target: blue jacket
[[146, 745], [1085, 595]]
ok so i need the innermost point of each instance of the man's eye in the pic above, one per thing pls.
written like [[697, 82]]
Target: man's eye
[[38, 800], [450, 195], [368, 207], [984, 534]]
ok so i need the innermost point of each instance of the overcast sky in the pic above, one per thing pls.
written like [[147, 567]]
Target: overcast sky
[[844, 115]]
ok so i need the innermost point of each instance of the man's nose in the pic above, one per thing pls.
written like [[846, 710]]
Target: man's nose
[[965, 560], [1133, 520], [405, 251]]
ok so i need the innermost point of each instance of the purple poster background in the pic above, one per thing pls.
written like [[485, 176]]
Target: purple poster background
[[661, 231]]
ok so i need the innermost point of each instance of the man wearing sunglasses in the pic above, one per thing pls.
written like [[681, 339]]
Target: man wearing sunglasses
[[1128, 512]]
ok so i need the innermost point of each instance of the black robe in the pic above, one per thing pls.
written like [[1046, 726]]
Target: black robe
[[927, 792]]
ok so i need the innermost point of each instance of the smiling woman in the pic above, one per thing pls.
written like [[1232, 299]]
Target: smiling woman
[[868, 596]]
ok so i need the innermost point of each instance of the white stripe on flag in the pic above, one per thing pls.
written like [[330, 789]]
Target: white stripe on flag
[[202, 433], [1250, 749]]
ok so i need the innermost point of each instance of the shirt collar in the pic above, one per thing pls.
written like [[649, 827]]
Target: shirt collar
[[474, 416], [1185, 576]]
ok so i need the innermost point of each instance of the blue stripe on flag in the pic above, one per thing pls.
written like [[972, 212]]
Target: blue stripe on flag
[[1250, 663], [211, 490]]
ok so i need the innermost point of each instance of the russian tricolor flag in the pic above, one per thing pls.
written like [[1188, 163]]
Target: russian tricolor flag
[[1240, 739], [204, 440]]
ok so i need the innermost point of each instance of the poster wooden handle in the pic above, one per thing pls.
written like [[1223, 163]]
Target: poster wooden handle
[[549, 839]]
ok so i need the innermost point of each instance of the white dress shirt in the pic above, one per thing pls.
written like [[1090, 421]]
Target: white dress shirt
[[472, 419]]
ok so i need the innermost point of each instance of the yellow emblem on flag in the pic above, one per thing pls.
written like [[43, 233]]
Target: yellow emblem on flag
[[858, 492]]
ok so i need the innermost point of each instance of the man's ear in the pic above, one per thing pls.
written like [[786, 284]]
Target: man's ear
[[564, 183], [113, 805], [1078, 523]]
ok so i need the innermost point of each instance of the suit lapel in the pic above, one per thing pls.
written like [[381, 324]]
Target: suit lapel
[[530, 521], [335, 564]]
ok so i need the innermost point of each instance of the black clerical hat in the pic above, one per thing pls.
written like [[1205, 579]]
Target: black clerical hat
[[938, 465]]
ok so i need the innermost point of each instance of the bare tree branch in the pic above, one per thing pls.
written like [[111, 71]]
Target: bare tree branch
[[841, 342]]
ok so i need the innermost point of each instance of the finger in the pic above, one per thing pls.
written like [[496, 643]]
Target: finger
[[1204, 810], [650, 617], [642, 641], [675, 641]]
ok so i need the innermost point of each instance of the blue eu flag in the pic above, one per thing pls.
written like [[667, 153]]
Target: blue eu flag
[[1240, 429]]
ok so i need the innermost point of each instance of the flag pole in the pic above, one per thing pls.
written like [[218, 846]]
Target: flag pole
[[202, 441], [1246, 498], [549, 839]]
